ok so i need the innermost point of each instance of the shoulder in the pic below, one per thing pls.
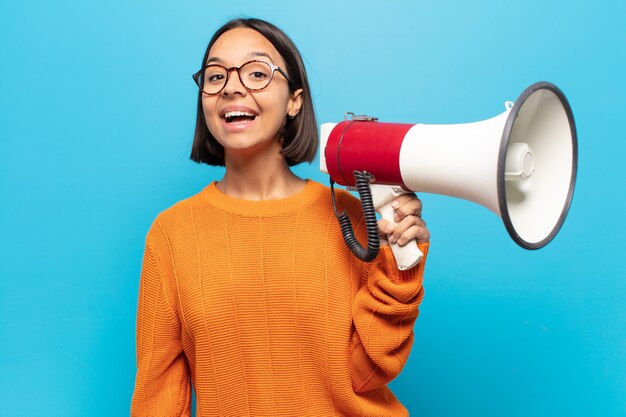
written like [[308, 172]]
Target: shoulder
[[176, 218]]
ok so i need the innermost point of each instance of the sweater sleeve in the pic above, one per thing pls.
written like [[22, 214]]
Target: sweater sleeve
[[384, 312], [162, 386]]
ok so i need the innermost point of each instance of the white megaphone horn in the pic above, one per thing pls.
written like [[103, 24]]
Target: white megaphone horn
[[520, 164]]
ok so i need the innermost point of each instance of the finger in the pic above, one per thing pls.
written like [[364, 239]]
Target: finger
[[408, 206], [385, 227], [412, 228], [403, 199], [405, 225], [419, 233]]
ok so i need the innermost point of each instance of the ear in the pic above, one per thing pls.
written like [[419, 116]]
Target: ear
[[295, 103]]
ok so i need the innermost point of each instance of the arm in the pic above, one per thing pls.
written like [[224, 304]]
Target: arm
[[386, 307], [162, 386], [384, 313]]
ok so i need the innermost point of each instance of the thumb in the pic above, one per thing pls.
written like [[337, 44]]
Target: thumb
[[385, 227]]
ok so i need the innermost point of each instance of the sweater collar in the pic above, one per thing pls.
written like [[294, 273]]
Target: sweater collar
[[312, 192]]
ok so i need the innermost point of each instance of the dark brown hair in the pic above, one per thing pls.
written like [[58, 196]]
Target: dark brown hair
[[299, 138]]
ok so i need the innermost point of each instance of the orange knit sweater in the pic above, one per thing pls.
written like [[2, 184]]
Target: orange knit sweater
[[261, 307]]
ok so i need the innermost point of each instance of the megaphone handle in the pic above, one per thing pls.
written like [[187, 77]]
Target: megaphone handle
[[407, 256]]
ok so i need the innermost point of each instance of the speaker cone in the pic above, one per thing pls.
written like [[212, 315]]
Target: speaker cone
[[533, 209]]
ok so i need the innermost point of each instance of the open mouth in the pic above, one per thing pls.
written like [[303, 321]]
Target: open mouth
[[238, 117]]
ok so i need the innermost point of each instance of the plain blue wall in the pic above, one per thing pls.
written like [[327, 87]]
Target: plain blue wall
[[96, 120]]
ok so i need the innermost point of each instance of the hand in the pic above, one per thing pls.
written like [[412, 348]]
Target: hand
[[408, 222]]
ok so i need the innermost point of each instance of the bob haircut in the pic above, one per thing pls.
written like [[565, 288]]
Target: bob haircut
[[299, 139]]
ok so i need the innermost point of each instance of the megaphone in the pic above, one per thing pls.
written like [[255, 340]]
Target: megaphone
[[520, 164]]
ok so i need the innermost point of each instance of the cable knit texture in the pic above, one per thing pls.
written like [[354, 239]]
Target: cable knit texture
[[262, 309]]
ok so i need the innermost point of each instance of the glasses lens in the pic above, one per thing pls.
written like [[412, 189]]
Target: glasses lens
[[255, 75], [213, 79]]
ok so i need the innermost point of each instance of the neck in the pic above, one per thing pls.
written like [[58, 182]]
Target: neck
[[259, 178]]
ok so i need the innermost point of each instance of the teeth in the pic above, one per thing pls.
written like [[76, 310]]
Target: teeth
[[237, 113]]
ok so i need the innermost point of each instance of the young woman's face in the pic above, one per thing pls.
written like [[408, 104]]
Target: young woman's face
[[241, 120]]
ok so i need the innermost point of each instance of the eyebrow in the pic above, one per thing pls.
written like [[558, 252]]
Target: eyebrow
[[251, 54]]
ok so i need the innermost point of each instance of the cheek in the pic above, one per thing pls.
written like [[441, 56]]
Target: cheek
[[275, 107], [208, 108], [210, 115]]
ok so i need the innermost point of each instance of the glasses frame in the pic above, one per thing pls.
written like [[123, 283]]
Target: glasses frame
[[197, 77]]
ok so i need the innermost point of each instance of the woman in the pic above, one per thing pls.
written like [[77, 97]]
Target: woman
[[248, 291]]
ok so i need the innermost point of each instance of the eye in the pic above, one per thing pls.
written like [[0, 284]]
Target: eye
[[258, 75], [214, 75], [214, 78], [256, 72]]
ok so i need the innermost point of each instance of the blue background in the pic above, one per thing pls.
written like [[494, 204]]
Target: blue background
[[96, 121]]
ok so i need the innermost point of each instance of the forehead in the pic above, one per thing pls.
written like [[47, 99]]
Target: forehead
[[243, 44]]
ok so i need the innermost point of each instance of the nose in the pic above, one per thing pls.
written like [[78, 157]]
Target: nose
[[233, 83]]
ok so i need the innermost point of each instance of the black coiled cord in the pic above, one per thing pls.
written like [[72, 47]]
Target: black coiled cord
[[362, 180]]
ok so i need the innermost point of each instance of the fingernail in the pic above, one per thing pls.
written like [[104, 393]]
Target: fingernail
[[392, 239], [395, 204]]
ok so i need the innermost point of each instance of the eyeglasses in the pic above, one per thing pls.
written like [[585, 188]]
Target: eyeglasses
[[254, 76]]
